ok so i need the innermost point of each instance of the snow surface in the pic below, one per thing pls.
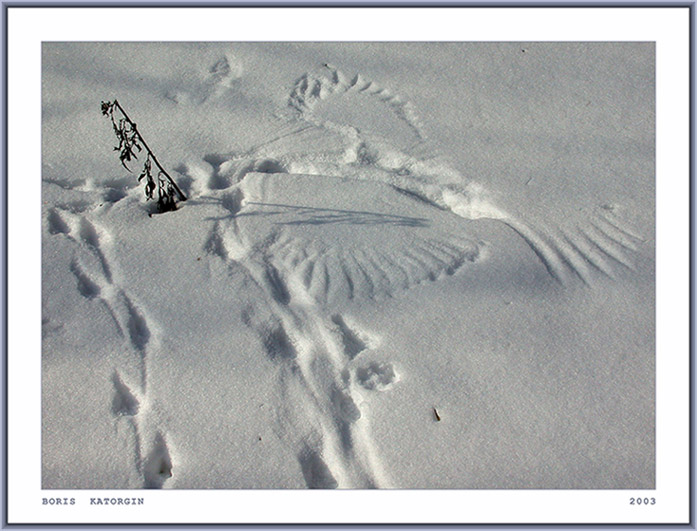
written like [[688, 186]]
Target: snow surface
[[400, 265]]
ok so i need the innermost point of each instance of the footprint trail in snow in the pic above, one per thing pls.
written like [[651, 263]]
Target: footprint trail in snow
[[319, 412], [95, 280]]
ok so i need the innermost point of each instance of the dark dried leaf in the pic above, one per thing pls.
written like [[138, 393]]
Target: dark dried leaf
[[106, 107]]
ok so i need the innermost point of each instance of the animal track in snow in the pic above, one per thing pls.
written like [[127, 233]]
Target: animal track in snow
[[220, 71], [233, 201], [344, 407], [352, 341], [310, 91], [48, 327], [230, 170], [138, 330], [78, 207], [124, 402], [276, 285], [85, 285], [218, 179], [157, 467], [126, 409], [376, 376], [86, 195], [277, 344], [66, 184], [56, 223], [114, 190], [315, 471], [213, 81], [214, 244], [90, 236]]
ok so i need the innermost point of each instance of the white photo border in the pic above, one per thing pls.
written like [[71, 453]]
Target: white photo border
[[668, 27]]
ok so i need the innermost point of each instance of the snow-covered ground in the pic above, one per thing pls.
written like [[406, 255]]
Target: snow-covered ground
[[400, 265]]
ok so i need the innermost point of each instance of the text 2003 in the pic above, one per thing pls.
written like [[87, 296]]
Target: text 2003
[[642, 501]]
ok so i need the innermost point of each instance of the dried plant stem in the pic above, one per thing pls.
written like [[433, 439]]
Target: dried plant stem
[[147, 148]]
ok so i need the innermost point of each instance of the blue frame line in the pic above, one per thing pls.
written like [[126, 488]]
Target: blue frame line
[[7, 5]]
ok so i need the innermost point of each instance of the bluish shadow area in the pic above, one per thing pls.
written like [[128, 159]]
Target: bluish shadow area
[[307, 215], [325, 216]]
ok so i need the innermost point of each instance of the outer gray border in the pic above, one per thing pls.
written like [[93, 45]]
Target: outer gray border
[[6, 5]]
